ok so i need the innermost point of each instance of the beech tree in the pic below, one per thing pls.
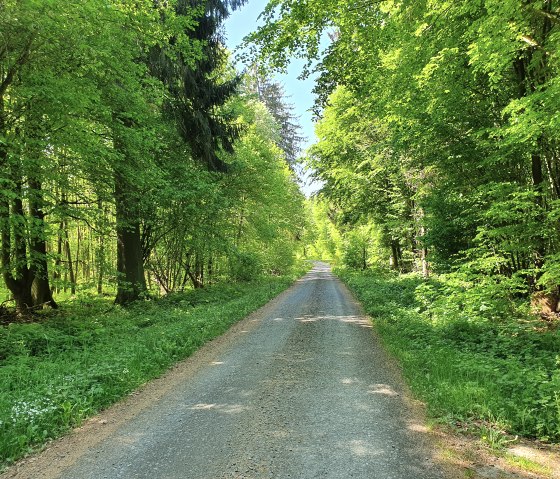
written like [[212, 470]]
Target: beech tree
[[35, 107], [451, 128]]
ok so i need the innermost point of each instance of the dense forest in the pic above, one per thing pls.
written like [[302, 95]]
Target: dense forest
[[133, 158], [137, 163], [148, 200], [438, 133]]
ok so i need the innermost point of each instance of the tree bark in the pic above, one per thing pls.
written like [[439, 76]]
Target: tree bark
[[100, 264], [40, 289], [100, 255], [131, 282], [70, 267], [395, 260], [17, 274], [537, 175], [58, 261], [78, 247], [528, 82]]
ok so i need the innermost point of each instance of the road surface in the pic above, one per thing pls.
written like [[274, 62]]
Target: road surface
[[299, 390]]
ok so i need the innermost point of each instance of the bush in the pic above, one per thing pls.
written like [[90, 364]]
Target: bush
[[245, 266]]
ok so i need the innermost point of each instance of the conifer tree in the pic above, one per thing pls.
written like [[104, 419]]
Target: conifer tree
[[272, 94], [196, 90]]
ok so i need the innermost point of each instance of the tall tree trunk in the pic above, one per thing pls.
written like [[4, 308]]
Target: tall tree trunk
[[395, 261], [69, 261], [40, 289], [87, 257], [58, 261], [100, 255], [100, 264], [421, 244], [240, 226], [537, 175], [199, 261], [424, 258], [78, 248], [131, 282], [210, 268], [528, 82], [17, 274], [196, 276]]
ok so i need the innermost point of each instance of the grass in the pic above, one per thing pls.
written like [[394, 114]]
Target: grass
[[493, 375], [70, 364], [528, 465]]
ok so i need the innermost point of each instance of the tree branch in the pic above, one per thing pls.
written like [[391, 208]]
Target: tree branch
[[554, 17], [15, 67]]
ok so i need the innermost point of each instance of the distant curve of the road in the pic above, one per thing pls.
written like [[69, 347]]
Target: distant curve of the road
[[305, 392]]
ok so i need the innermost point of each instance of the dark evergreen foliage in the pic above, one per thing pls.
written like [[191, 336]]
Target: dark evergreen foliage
[[195, 91]]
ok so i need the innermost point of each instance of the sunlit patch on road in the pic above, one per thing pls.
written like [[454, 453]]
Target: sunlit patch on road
[[321, 271], [350, 381], [221, 408], [358, 320], [362, 448], [383, 389]]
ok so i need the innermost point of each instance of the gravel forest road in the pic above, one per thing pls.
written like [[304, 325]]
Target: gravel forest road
[[300, 389]]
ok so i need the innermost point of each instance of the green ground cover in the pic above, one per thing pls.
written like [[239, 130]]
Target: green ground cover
[[72, 363], [479, 364]]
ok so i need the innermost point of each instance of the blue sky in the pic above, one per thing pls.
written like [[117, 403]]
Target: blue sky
[[298, 92]]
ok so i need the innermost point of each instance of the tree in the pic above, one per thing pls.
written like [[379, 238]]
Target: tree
[[267, 202], [272, 94], [32, 84], [460, 97], [117, 120]]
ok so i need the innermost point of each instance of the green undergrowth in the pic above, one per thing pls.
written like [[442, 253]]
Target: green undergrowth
[[480, 363], [72, 363]]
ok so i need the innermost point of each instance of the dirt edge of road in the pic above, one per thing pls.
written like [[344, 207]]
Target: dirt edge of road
[[466, 455]]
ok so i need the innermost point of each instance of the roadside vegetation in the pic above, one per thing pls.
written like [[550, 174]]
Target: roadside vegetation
[[72, 363], [136, 161]]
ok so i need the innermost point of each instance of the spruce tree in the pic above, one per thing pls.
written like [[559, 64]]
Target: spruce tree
[[196, 91], [195, 94], [272, 94]]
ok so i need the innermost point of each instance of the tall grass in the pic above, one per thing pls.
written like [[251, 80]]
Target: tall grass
[[496, 374], [73, 363]]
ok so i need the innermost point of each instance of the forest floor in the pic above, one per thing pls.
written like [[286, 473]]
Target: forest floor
[[299, 389]]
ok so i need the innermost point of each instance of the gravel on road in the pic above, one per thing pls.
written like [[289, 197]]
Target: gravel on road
[[300, 389]]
